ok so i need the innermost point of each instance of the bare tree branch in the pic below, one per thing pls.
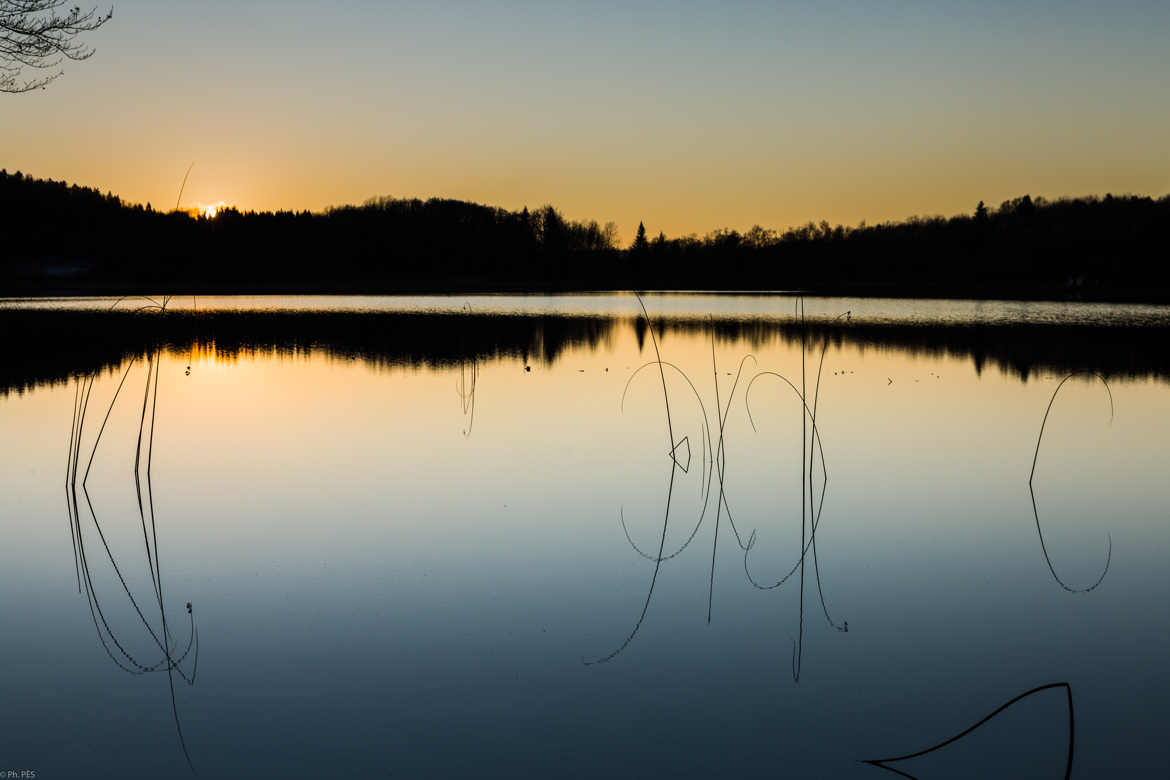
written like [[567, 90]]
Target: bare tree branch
[[40, 35]]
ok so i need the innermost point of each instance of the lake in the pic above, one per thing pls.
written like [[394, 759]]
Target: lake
[[569, 536]]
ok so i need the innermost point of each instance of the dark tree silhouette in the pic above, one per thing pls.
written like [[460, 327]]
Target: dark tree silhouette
[[40, 35], [640, 244], [64, 239]]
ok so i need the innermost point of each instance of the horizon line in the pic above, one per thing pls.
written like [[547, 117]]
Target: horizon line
[[221, 206]]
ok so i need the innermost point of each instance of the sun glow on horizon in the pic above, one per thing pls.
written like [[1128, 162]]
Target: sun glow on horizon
[[814, 111], [209, 211]]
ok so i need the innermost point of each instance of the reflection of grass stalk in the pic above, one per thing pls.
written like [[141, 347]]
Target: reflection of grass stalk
[[821, 504], [466, 386], [881, 762], [719, 464], [669, 493], [798, 650], [716, 465], [706, 494], [466, 392], [106, 634], [1032, 490], [811, 507]]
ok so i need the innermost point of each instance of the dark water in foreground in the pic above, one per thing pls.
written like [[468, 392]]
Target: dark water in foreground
[[419, 538]]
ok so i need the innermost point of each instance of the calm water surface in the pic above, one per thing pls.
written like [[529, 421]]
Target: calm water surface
[[431, 550]]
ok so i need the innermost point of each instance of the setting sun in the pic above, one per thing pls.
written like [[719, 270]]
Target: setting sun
[[210, 211]]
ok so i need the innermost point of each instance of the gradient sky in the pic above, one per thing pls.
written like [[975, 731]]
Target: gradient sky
[[690, 116]]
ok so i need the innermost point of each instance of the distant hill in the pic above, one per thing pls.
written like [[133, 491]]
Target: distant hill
[[60, 238]]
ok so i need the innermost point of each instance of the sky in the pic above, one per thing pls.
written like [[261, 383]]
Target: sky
[[687, 116]]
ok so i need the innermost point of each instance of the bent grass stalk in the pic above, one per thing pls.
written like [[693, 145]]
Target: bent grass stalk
[[1032, 489], [171, 663], [466, 386], [715, 468], [674, 465], [882, 762], [811, 507]]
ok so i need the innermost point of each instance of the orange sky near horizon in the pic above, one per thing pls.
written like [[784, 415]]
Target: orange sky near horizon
[[675, 114]]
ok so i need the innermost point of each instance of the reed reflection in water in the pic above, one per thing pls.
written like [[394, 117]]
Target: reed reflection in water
[[1032, 491], [715, 467], [383, 588], [178, 658], [884, 763]]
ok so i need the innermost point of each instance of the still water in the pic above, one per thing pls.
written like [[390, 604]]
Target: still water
[[554, 537]]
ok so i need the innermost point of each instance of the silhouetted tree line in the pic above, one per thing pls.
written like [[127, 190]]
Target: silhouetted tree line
[[1083, 247], [62, 238], [58, 236]]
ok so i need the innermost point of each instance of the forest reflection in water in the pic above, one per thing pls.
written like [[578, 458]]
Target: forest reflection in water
[[428, 535], [47, 345]]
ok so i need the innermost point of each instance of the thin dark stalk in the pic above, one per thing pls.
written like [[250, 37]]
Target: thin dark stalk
[[881, 762], [106, 634], [820, 507], [811, 505], [121, 578], [138, 480], [466, 389], [661, 373], [68, 470], [653, 579], [721, 453], [719, 502], [183, 186], [706, 436], [73, 505], [1032, 490], [816, 441], [669, 494], [799, 649], [171, 667], [717, 462], [105, 420], [99, 614]]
